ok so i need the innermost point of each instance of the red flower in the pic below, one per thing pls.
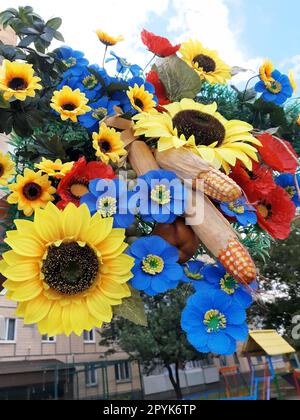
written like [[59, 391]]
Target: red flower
[[279, 156], [158, 45], [160, 90], [75, 184], [259, 180], [275, 212]]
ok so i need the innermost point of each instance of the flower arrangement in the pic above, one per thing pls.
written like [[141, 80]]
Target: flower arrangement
[[117, 183]]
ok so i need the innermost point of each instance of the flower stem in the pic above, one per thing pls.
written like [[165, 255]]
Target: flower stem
[[104, 57], [147, 65], [247, 85]]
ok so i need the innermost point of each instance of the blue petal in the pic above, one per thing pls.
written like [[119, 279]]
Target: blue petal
[[219, 343], [239, 333], [173, 272], [235, 315], [199, 339], [213, 273], [260, 87], [91, 201], [141, 282], [170, 255], [243, 298]]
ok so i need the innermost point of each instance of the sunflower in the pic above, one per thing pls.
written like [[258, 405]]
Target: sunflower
[[140, 99], [205, 62], [108, 144], [70, 104], [203, 130], [266, 70], [107, 40], [31, 192], [298, 120], [55, 169], [293, 81], [7, 169], [66, 269]]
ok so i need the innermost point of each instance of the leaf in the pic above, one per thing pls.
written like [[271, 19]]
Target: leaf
[[236, 70], [57, 35], [116, 87], [54, 23], [132, 309], [179, 79], [3, 103], [27, 41]]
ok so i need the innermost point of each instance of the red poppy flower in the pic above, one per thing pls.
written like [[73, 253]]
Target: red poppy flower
[[158, 45], [160, 90], [75, 184], [279, 156], [259, 180], [275, 212]]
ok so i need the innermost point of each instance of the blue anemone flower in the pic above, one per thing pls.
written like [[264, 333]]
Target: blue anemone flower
[[156, 268], [215, 277], [288, 182], [193, 272], [162, 196], [110, 198], [214, 323], [123, 65], [278, 91], [100, 109], [241, 210], [74, 60]]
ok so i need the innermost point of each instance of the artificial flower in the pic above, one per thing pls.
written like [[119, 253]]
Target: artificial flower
[[110, 199], [101, 109], [31, 192], [55, 169], [259, 179], [241, 210], [108, 144], [123, 65], [69, 104], [108, 40], [75, 184], [288, 183], [141, 96], [7, 169], [17, 80], [160, 90], [277, 90], [214, 323], [278, 154], [266, 70], [73, 60], [158, 45], [205, 62], [66, 270], [165, 198], [156, 268], [298, 120], [203, 130], [193, 271], [293, 81]]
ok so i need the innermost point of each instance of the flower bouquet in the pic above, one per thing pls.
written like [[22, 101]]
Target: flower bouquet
[[120, 180]]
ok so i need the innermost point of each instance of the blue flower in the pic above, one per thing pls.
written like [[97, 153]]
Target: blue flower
[[278, 90], [242, 211], [74, 60], [164, 198], [123, 65], [193, 272], [110, 198], [156, 268], [100, 109], [215, 277], [214, 323], [288, 182], [124, 99]]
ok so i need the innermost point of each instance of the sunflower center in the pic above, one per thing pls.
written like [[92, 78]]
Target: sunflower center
[[161, 195], [90, 82], [153, 265], [228, 284], [105, 146], [238, 209], [214, 321], [78, 189], [291, 190], [265, 210], [206, 128], [69, 107], [32, 191], [107, 207], [70, 268], [17, 83], [274, 87], [99, 113], [205, 62], [192, 276], [1, 170], [139, 103]]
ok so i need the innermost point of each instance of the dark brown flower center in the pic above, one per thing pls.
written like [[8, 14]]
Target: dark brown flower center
[[69, 107], [1, 170], [139, 103], [32, 191], [70, 269], [206, 128], [205, 62], [17, 83], [105, 146]]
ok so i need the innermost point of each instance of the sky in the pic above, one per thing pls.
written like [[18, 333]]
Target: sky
[[243, 31]]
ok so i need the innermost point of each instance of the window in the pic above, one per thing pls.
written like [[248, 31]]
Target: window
[[122, 372], [89, 336], [91, 377], [47, 339], [10, 330]]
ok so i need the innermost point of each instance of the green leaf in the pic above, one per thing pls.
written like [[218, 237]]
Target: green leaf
[[27, 41], [116, 87], [132, 309], [57, 35], [179, 79], [3, 103], [54, 23]]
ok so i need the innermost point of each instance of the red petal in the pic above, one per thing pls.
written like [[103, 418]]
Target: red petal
[[160, 90], [159, 45]]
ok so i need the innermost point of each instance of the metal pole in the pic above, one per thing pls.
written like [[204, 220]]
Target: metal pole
[[275, 378]]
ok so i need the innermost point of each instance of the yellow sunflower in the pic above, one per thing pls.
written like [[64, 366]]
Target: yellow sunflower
[[266, 70], [108, 144], [107, 40], [55, 169], [205, 62], [66, 269], [17, 80], [203, 130], [70, 104], [31, 192], [7, 169], [298, 120], [141, 99], [293, 81]]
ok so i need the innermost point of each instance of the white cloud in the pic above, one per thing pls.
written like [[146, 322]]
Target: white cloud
[[293, 64]]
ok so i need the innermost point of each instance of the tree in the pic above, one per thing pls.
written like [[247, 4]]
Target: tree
[[162, 341]]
